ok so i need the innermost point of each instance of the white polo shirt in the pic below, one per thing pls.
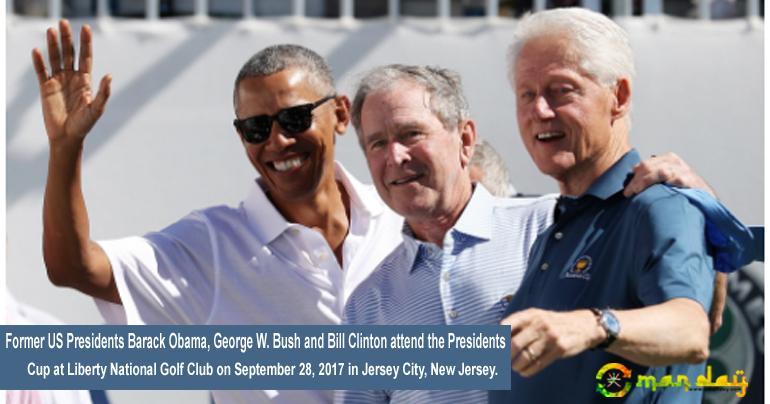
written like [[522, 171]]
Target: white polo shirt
[[248, 265]]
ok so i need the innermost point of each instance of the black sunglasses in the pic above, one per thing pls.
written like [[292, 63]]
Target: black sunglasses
[[293, 120]]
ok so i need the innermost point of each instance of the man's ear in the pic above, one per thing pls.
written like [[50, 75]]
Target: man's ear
[[467, 141], [342, 111], [622, 99]]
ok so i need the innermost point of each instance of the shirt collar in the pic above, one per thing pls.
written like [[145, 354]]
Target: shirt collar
[[268, 223], [361, 196], [614, 179], [475, 221]]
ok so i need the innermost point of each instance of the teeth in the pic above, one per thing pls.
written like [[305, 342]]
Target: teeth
[[287, 164], [548, 135]]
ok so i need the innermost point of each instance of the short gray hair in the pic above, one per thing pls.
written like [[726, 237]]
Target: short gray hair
[[276, 58], [495, 174], [602, 47], [444, 86]]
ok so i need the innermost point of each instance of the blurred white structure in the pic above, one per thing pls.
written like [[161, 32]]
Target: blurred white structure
[[347, 9]]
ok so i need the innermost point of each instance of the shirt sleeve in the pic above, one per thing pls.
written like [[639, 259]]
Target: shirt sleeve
[[165, 277], [350, 315], [731, 243], [671, 252]]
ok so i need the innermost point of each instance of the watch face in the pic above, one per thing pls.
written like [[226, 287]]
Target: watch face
[[611, 322]]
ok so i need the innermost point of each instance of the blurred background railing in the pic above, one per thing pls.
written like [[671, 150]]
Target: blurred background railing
[[363, 9]]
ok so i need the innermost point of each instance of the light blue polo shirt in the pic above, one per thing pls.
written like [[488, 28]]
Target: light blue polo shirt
[[469, 279], [605, 250]]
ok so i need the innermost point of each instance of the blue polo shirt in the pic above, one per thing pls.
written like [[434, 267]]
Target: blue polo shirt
[[605, 250]]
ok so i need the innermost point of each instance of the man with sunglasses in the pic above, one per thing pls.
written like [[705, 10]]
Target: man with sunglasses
[[291, 253], [307, 234]]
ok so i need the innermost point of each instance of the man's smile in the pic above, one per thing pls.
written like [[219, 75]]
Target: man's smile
[[549, 136], [288, 163], [407, 179]]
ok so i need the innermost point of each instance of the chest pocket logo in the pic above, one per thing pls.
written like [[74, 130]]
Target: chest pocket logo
[[580, 269], [502, 305]]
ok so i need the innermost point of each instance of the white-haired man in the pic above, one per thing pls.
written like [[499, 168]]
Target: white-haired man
[[618, 280], [488, 168], [464, 252]]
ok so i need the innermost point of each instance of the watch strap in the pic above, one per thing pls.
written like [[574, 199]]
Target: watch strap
[[601, 319]]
